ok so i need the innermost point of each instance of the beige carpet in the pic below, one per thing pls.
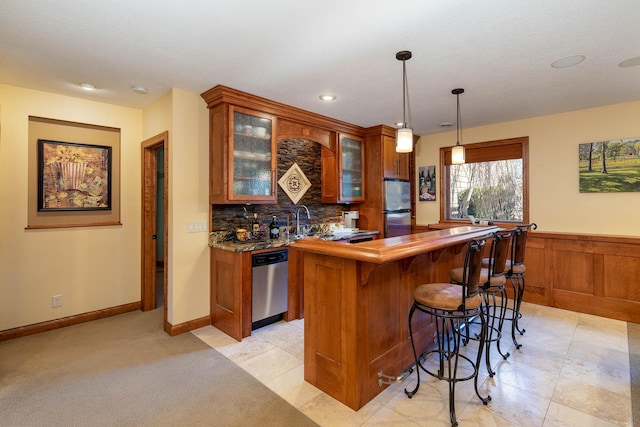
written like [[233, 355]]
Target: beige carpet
[[125, 371]]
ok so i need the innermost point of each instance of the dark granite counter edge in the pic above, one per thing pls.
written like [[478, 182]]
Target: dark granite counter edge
[[257, 245]]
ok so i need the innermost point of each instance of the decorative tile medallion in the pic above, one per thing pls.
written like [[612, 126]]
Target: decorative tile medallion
[[294, 183]]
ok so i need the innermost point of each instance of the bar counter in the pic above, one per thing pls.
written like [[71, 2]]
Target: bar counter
[[356, 305]]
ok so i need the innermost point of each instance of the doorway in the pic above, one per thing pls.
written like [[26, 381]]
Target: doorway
[[155, 167]]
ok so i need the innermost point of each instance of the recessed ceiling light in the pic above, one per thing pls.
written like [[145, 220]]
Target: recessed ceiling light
[[568, 61], [328, 98], [87, 86], [446, 124], [631, 62], [140, 90]]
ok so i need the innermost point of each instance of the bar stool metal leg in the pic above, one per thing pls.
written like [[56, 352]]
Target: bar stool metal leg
[[518, 289], [452, 305], [494, 309], [516, 274]]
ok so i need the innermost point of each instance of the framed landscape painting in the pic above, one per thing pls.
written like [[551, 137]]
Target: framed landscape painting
[[609, 166], [73, 177]]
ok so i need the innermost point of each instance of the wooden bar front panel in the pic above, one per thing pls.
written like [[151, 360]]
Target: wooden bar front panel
[[356, 319]]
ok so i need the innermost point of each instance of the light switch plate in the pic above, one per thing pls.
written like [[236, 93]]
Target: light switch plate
[[196, 226]]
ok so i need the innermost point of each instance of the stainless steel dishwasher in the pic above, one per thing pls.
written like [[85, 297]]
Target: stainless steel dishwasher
[[269, 287]]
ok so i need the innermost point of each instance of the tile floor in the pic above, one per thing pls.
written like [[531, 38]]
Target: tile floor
[[572, 370]]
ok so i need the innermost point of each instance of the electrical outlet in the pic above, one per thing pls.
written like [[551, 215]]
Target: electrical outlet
[[56, 301]]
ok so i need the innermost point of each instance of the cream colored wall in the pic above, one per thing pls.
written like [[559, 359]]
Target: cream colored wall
[[556, 204], [185, 116], [91, 267]]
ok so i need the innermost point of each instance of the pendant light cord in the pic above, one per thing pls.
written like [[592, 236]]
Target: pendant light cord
[[457, 93], [458, 120], [403, 56], [404, 91]]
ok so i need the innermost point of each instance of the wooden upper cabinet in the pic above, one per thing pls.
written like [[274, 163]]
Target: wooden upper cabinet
[[395, 165], [329, 175], [343, 178], [243, 156]]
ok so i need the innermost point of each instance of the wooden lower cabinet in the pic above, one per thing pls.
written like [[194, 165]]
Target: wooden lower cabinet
[[231, 292], [231, 288]]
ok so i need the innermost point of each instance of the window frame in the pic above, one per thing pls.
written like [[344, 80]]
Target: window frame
[[487, 151]]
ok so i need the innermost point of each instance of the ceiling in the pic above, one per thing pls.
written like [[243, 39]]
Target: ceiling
[[292, 51]]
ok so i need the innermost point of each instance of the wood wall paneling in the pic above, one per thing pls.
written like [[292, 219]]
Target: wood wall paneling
[[621, 269], [572, 271], [584, 273], [594, 274]]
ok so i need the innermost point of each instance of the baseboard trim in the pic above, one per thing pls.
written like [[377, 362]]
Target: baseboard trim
[[49, 325], [181, 328]]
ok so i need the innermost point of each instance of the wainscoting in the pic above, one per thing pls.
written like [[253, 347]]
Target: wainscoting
[[586, 273]]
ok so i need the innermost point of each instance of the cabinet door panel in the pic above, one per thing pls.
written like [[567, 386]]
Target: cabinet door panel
[[351, 169], [329, 176], [396, 165], [343, 171], [252, 157]]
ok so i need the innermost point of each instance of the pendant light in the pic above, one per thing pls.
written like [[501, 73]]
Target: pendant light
[[404, 135], [457, 152]]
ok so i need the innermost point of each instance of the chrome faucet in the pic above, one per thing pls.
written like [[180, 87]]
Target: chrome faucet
[[298, 218], [247, 223]]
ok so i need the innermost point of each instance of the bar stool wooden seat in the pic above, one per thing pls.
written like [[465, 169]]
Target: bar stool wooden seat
[[515, 274], [493, 293], [451, 306]]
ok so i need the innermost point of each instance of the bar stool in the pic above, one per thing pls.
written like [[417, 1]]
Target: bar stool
[[515, 274], [452, 306], [492, 291]]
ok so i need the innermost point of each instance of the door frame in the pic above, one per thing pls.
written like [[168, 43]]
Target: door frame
[[148, 227]]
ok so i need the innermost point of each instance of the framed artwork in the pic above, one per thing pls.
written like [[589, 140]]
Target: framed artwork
[[427, 183], [294, 183], [73, 176], [609, 166]]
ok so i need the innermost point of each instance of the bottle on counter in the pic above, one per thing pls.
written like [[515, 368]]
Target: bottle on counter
[[274, 229], [255, 225]]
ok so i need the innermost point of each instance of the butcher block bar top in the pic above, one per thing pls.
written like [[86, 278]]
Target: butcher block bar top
[[357, 299], [395, 248]]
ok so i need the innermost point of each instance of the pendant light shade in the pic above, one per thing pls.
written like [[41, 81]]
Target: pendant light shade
[[457, 155], [404, 135], [457, 152], [404, 140]]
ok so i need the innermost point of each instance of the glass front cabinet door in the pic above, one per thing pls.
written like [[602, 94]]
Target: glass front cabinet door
[[351, 169], [252, 157]]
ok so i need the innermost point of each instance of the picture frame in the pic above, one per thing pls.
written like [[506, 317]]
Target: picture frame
[[427, 184], [74, 176], [611, 166]]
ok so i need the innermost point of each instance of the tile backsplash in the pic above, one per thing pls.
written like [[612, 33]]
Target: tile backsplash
[[306, 154]]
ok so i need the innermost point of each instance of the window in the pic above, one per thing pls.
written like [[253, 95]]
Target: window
[[492, 185]]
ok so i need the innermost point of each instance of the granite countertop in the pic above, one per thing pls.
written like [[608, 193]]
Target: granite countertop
[[216, 240], [358, 233]]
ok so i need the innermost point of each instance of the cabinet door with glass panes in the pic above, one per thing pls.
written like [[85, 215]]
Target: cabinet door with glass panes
[[252, 157], [351, 168]]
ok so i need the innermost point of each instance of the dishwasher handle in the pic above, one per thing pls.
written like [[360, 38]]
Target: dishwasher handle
[[268, 258]]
